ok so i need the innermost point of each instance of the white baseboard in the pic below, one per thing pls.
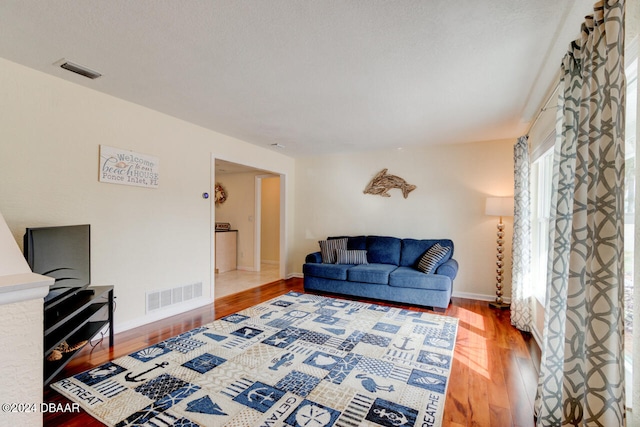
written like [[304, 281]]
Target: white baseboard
[[162, 314], [537, 336], [479, 297], [295, 275]]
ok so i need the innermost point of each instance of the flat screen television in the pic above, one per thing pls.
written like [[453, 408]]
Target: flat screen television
[[62, 252]]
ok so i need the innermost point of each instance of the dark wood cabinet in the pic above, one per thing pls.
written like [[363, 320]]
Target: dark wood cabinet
[[78, 317]]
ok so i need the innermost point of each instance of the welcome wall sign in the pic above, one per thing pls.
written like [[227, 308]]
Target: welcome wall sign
[[126, 167]]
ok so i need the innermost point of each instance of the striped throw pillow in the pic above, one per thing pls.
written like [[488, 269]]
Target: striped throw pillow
[[328, 249], [430, 259], [355, 256]]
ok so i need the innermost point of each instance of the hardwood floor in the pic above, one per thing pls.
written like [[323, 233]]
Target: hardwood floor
[[493, 377]]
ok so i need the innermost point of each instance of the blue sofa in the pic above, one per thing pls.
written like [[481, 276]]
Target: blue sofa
[[390, 272]]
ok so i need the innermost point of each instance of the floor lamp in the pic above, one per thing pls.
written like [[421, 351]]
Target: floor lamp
[[499, 206]]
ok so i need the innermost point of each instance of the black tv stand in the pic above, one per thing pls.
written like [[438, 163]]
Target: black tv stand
[[77, 317]]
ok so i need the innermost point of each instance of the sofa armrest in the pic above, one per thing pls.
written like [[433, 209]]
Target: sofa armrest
[[315, 257], [448, 268]]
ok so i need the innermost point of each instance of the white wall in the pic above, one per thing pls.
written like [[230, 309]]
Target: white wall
[[147, 239], [239, 211], [452, 184], [142, 239]]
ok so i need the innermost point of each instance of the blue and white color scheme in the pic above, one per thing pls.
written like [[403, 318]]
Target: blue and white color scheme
[[297, 360]]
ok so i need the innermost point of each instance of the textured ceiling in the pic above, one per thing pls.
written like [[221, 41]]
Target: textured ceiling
[[318, 77]]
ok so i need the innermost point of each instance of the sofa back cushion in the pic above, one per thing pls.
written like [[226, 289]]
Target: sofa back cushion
[[383, 250], [412, 250], [354, 242]]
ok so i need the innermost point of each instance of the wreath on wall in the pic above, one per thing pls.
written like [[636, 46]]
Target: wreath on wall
[[220, 194]]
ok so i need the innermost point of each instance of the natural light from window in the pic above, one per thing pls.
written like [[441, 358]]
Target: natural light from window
[[541, 175], [631, 72]]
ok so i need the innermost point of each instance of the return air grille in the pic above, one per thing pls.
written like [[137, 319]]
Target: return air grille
[[164, 298]]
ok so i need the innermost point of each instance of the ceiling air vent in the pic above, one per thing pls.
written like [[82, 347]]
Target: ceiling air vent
[[79, 69]]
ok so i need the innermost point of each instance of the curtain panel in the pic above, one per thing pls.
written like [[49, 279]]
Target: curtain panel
[[521, 246], [582, 369]]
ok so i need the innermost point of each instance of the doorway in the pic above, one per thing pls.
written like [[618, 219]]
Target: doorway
[[254, 207], [267, 222]]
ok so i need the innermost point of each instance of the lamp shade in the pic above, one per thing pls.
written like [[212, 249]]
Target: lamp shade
[[499, 206]]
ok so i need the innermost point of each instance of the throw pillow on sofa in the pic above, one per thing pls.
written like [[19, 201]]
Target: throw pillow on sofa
[[328, 249], [353, 256], [432, 257]]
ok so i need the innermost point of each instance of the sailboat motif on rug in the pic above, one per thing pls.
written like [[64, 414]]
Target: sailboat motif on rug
[[296, 360]]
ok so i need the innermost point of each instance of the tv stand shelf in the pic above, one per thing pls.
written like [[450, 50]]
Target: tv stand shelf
[[79, 317]]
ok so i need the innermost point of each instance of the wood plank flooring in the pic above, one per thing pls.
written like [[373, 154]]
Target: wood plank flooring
[[493, 377]]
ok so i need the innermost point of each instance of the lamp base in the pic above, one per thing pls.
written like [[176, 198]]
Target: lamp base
[[499, 305]]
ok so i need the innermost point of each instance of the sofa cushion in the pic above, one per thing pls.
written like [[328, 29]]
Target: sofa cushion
[[327, 271], [328, 249], [413, 249], [351, 256], [353, 242], [370, 273], [432, 258], [407, 277], [383, 250]]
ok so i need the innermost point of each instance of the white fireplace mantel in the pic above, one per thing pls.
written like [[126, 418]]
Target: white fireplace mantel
[[23, 287], [21, 331]]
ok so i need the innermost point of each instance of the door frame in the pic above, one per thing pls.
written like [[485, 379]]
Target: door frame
[[258, 221]]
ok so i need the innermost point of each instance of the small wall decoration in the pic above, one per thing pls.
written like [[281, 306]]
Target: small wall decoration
[[221, 194], [125, 167], [383, 182]]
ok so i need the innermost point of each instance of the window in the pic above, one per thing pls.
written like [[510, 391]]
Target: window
[[631, 72], [541, 181]]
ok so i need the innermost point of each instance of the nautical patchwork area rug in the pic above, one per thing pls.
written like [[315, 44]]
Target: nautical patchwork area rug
[[296, 360]]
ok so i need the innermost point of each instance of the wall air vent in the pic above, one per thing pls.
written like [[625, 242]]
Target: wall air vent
[[79, 69], [163, 298]]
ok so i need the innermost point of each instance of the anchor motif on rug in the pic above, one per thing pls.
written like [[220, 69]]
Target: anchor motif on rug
[[260, 395], [134, 378], [391, 414], [395, 418], [404, 344]]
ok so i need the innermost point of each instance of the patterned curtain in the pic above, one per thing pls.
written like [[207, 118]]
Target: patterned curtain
[[582, 369], [521, 247]]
